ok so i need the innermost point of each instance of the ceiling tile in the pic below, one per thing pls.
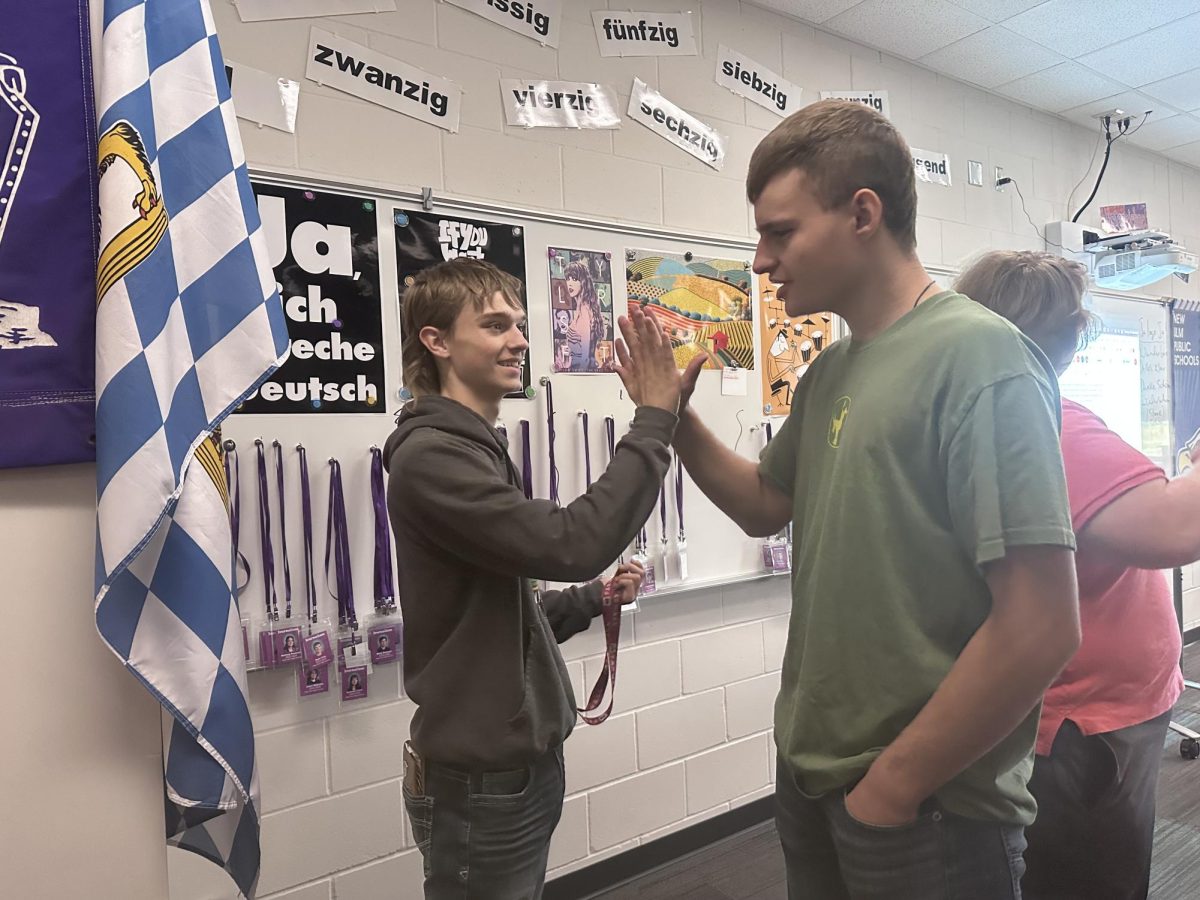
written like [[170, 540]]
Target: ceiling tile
[[1061, 87], [909, 28], [991, 57], [1188, 153], [1180, 91], [1152, 56], [816, 11], [1165, 133], [996, 10], [1060, 25]]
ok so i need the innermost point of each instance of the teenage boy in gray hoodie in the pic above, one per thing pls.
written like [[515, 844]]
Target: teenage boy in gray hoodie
[[484, 777]]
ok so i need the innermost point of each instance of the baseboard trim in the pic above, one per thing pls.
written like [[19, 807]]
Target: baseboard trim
[[616, 870]]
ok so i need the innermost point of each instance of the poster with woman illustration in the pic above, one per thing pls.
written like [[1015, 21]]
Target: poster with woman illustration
[[581, 310], [703, 303], [789, 347]]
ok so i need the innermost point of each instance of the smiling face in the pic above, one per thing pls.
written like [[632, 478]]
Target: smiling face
[[481, 355]]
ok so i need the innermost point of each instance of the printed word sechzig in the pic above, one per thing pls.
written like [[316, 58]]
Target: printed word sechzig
[[679, 127], [436, 101]]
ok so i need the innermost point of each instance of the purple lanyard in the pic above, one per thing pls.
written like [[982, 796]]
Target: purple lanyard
[[610, 434], [679, 498], [310, 586], [610, 439], [337, 542], [526, 461], [662, 514], [385, 591], [233, 487], [550, 441], [587, 448], [270, 599], [767, 429], [287, 569]]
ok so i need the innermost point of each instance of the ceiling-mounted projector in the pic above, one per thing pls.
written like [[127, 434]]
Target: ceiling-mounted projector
[[1122, 262]]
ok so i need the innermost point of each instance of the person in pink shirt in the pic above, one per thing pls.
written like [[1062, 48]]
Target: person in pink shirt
[[1104, 719]]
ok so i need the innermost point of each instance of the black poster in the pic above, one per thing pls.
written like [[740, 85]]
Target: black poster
[[324, 249], [426, 239]]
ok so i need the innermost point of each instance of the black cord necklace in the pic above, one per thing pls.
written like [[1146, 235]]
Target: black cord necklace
[[924, 290]]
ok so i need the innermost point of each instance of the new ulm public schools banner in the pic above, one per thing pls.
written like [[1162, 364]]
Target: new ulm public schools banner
[[47, 235], [1185, 377]]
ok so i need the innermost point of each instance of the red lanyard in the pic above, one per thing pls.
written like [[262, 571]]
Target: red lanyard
[[610, 610]]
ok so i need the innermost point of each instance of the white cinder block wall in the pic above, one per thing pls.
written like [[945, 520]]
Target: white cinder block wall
[[690, 736]]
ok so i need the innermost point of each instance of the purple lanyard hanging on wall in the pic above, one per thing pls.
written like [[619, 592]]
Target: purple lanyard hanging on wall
[[233, 487], [270, 599], [310, 587], [287, 569], [337, 544], [385, 591]]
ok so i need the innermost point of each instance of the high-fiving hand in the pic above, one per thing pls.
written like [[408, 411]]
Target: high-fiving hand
[[646, 363]]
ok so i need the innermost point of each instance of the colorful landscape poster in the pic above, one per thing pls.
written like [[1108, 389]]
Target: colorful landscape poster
[[703, 303], [789, 347], [581, 310]]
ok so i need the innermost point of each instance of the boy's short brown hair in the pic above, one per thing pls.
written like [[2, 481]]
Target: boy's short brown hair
[[434, 299], [1040, 293], [843, 147]]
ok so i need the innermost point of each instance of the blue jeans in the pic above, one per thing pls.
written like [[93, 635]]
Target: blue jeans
[[486, 835], [941, 856]]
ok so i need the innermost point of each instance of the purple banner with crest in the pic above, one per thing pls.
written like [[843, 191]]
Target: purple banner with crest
[[48, 234]]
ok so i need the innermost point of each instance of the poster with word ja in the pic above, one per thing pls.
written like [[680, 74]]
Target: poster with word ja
[[324, 249]]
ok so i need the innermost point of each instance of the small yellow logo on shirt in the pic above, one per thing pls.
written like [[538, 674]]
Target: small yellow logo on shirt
[[841, 409]]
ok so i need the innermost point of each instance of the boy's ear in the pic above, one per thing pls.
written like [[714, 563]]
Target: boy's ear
[[867, 207], [434, 340]]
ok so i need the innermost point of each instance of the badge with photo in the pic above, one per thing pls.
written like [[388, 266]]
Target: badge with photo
[[354, 683]]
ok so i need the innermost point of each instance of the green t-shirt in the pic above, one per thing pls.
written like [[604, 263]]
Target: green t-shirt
[[912, 460]]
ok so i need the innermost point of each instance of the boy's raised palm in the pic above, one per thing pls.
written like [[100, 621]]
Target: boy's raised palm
[[646, 363]]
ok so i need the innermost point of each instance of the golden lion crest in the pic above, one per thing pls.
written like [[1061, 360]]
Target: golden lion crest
[[136, 240]]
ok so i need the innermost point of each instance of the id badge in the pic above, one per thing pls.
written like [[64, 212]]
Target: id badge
[[384, 643], [266, 646], [768, 555], [288, 646], [779, 556], [681, 549], [313, 680], [351, 652], [354, 683], [648, 584], [318, 651]]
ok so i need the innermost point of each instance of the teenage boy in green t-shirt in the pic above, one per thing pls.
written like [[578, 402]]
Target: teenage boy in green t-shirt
[[933, 587]]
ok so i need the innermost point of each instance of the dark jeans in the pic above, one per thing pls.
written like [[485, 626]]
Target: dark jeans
[[486, 835], [940, 856], [1095, 824]]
